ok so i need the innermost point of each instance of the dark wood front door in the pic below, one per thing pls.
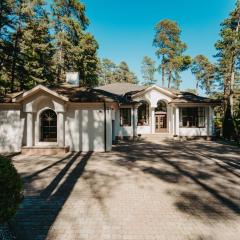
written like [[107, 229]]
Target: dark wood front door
[[160, 123]]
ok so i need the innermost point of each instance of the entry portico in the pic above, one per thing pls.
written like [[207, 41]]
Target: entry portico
[[157, 101]]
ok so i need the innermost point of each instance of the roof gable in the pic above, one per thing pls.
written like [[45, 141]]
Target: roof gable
[[36, 90], [157, 88]]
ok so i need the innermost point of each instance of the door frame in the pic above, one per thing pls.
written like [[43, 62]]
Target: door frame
[[158, 116]]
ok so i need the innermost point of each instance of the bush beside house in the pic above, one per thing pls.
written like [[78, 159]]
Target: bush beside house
[[10, 190]]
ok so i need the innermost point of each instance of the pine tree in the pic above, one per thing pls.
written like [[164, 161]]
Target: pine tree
[[170, 51], [124, 74], [6, 22], [36, 49], [228, 55], [228, 50], [75, 49], [204, 72], [107, 71], [148, 71]]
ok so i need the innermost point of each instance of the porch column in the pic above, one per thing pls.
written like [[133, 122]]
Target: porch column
[[152, 111], [29, 129], [135, 121], [61, 129], [173, 121], [210, 121], [177, 121]]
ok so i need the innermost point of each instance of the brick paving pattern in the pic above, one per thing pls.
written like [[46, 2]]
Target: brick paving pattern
[[168, 190]]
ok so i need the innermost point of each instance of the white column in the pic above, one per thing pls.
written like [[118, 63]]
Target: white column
[[109, 130], [169, 114], [173, 120], [152, 110], [29, 129], [177, 121], [210, 121], [61, 129], [135, 121]]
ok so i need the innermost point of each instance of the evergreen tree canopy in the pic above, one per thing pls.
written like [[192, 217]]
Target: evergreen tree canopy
[[204, 73], [111, 73], [228, 49], [37, 46], [76, 50], [170, 51], [148, 70]]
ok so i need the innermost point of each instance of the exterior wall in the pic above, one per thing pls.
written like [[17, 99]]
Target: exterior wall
[[84, 129], [193, 132], [11, 130], [144, 129], [123, 131]]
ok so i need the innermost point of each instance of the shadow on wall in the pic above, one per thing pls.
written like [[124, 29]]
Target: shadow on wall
[[10, 131], [206, 187], [85, 130], [38, 212]]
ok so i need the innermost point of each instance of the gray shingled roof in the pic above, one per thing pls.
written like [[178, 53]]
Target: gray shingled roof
[[187, 97], [121, 88], [116, 92]]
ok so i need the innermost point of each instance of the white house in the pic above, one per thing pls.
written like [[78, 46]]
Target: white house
[[56, 120]]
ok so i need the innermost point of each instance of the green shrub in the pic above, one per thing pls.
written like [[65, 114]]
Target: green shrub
[[10, 190]]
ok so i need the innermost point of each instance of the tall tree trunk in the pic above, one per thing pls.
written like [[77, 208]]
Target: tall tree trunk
[[14, 60], [1, 10], [163, 76], [197, 87], [59, 68], [169, 78]]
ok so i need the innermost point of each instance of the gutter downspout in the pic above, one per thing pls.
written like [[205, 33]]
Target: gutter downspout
[[105, 126]]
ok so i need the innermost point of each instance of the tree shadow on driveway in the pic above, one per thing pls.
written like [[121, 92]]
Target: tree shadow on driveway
[[38, 213], [206, 187]]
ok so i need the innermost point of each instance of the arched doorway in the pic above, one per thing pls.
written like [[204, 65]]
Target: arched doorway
[[161, 117], [48, 126]]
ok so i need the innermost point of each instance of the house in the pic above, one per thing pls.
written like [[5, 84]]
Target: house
[[56, 120]]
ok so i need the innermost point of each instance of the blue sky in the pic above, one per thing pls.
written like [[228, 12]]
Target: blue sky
[[125, 29]]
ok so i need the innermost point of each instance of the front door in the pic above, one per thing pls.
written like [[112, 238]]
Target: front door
[[161, 123]]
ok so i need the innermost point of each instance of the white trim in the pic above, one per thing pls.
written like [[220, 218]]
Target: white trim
[[35, 90], [162, 90], [37, 122]]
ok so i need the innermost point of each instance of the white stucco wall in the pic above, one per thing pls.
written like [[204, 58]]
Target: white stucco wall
[[84, 129], [11, 130], [144, 129], [192, 132]]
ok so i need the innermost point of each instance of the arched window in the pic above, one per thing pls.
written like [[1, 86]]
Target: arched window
[[143, 114], [161, 107], [48, 121]]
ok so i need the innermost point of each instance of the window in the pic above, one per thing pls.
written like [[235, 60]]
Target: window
[[161, 107], [125, 116], [143, 114], [192, 117], [48, 120]]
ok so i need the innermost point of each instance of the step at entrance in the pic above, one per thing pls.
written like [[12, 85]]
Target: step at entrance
[[156, 137]]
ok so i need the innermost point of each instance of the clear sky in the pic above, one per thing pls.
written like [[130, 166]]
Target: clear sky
[[124, 29]]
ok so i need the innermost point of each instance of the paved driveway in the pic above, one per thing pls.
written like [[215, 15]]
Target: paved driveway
[[171, 190]]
